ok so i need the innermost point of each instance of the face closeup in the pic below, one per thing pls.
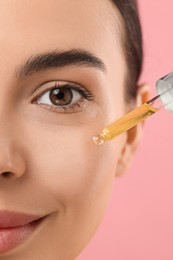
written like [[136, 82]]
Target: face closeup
[[62, 76]]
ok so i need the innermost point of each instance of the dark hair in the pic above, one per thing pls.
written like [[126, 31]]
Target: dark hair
[[132, 42]]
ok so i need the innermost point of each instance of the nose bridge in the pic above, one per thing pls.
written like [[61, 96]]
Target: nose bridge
[[8, 121], [7, 108]]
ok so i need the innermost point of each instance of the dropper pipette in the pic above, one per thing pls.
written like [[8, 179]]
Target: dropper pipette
[[164, 98]]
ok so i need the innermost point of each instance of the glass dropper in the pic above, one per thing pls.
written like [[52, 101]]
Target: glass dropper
[[164, 98]]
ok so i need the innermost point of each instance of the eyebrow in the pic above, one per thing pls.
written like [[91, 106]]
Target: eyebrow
[[59, 59]]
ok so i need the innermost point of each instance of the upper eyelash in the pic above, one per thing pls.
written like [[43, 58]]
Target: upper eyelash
[[84, 92]]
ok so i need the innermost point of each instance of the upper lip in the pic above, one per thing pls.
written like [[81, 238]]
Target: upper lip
[[15, 219]]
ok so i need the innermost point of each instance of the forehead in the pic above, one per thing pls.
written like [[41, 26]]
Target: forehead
[[65, 23]]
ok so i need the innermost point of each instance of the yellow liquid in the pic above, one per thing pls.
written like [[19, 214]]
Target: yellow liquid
[[125, 123]]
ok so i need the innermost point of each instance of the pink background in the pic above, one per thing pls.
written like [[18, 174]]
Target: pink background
[[139, 220]]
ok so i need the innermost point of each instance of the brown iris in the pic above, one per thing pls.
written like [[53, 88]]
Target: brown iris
[[61, 96]]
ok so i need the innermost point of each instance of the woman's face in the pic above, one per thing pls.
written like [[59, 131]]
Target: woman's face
[[49, 164]]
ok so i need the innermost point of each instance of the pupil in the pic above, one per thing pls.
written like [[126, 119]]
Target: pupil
[[61, 96]]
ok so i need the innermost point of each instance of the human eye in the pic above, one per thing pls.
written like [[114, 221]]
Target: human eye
[[63, 97]]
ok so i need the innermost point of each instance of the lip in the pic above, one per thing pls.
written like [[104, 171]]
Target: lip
[[14, 219], [16, 227]]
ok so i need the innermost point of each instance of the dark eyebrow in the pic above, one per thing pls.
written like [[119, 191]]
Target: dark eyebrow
[[59, 59]]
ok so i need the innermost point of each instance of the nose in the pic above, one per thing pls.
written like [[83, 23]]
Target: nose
[[11, 165], [11, 162], [12, 153]]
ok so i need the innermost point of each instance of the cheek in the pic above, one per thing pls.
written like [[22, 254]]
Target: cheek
[[67, 164]]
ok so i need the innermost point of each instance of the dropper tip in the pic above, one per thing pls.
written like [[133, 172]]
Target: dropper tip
[[98, 140]]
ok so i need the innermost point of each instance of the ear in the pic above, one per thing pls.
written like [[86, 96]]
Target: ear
[[132, 136]]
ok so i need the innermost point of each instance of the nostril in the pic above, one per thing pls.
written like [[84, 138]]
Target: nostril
[[6, 174]]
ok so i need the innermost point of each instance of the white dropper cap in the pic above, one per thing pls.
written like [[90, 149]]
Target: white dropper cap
[[164, 88]]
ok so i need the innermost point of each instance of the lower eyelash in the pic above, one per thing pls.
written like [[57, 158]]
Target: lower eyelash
[[64, 109]]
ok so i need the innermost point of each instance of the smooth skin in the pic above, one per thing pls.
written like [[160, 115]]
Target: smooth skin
[[53, 166]]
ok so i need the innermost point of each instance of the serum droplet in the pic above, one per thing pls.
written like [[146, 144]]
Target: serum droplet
[[98, 140]]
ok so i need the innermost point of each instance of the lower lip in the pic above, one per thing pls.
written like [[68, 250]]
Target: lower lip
[[14, 236]]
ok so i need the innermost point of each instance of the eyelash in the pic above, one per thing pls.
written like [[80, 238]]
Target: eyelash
[[86, 96]]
